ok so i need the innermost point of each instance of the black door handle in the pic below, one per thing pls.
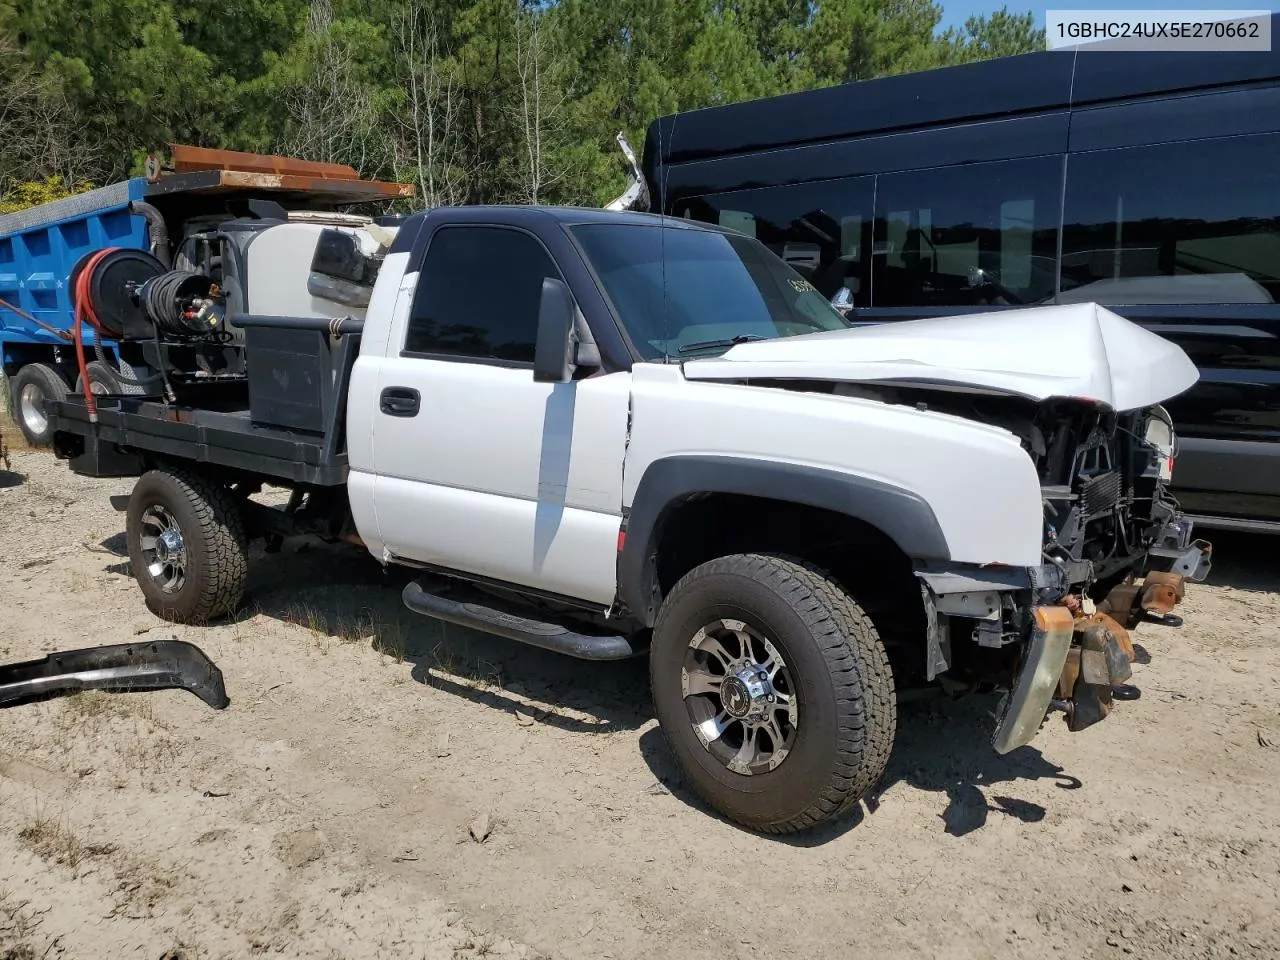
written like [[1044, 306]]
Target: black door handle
[[400, 401]]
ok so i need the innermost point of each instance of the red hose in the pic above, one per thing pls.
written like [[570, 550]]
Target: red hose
[[84, 309]]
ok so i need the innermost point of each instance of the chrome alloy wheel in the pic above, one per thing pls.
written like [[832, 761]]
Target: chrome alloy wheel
[[163, 549], [740, 697], [31, 408]]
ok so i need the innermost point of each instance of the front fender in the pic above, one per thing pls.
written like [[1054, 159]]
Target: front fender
[[900, 514]]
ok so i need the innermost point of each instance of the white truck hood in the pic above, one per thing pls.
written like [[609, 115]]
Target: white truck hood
[[1076, 350]]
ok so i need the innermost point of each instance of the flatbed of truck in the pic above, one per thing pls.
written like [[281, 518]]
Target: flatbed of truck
[[131, 430]]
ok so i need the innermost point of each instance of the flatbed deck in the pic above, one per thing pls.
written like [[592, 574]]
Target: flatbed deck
[[284, 423], [130, 431]]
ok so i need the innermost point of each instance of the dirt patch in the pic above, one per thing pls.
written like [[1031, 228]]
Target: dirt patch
[[297, 848], [332, 810], [11, 440]]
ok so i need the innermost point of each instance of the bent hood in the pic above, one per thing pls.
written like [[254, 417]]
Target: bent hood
[[1077, 350]]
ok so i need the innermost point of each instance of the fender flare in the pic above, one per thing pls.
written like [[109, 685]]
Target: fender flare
[[900, 514]]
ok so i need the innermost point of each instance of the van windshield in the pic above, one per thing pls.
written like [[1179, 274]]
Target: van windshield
[[681, 292]]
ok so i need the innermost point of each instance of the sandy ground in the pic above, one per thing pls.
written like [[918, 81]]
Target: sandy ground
[[326, 812]]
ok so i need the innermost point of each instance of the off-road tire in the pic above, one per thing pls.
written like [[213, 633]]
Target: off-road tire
[[108, 381], [48, 382], [216, 548], [847, 704]]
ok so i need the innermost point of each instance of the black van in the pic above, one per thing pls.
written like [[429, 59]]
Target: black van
[[1146, 182]]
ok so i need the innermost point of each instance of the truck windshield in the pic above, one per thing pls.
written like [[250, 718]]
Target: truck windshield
[[682, 292]]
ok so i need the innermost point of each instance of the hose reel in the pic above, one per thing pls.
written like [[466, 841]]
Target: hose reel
[[182, 304], [130, 295]]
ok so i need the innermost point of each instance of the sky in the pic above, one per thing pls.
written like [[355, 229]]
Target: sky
[[954, 12]]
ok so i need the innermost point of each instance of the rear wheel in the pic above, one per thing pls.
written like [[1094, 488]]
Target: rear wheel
[[30, 387], [773, 691], [104, 381], [187, 546]]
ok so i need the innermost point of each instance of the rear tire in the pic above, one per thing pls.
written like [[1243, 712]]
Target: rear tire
[[837, 673], [29, 388], [104, 381], [187, 546]]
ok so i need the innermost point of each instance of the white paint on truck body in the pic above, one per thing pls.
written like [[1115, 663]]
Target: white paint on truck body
[[522, 482], [978, 480]]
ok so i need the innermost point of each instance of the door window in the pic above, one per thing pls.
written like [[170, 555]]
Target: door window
[[478, 295]]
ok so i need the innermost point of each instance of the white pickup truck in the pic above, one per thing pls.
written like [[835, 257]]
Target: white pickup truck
[[619, 434]]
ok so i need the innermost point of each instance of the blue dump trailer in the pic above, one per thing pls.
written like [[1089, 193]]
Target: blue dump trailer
[[160, 217], [39, 247]]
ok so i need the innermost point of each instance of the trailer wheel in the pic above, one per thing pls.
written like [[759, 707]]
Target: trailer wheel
[[773, 690], [104, 381], [187, 545], [30, 387]]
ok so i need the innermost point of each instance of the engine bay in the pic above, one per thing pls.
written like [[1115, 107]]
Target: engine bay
[[1103, 474]]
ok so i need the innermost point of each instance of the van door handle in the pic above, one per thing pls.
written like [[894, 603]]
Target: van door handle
[[400, 401]]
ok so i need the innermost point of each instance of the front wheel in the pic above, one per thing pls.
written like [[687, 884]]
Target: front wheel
[[187, 546], [773, 690]]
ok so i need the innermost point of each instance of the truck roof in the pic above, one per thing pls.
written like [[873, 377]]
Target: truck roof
[[518, 213]]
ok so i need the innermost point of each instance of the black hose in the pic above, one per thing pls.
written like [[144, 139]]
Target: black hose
[[123, 377], [162, 299], [334, 326], [169, 395], [159, 231]]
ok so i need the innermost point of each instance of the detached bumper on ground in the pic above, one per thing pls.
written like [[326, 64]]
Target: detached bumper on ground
[[118, 668]]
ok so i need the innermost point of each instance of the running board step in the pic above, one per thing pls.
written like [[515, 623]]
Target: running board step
[[469, 608]]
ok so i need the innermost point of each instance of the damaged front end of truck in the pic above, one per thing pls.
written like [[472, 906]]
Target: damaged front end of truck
[[1081, 390], [1117, 552]]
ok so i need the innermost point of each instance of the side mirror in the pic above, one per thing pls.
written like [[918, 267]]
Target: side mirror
[[564, 343]]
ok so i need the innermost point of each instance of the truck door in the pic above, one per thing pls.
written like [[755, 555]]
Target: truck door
[[480, 469]]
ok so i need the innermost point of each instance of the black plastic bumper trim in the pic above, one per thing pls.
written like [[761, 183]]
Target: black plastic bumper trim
[[118, 668]]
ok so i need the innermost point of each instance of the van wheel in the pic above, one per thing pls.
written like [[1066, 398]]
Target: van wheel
[[30, 387], [773, 690], [187, 546]]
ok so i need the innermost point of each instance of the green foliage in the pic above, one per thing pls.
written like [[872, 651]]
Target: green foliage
[[32, 193], [473, 100]]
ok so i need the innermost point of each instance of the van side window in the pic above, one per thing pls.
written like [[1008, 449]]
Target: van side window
[[823, 229], [982, 233], [1190, 222], [478, 295]]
